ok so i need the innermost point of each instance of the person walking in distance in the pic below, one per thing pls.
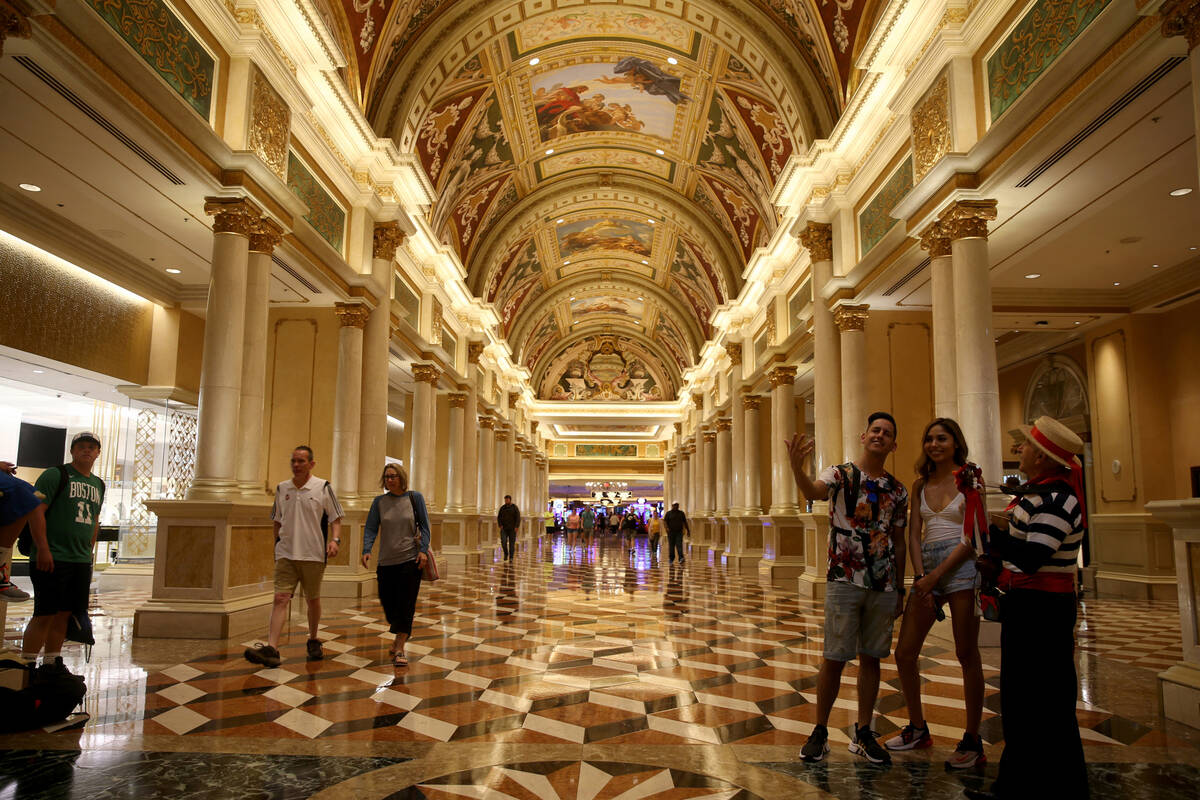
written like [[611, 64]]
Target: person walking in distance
[[588, 518], [308, 531], [654, 532], [676, 523], [508, 517], [864, 592], [399, 519], [574, 524]]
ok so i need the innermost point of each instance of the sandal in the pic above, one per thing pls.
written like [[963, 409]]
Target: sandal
[[399, 659]]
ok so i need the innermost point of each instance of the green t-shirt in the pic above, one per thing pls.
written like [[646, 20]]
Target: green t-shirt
[[71, 518]]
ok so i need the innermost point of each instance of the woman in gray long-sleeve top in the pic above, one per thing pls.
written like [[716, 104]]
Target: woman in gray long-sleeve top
[[400, 520]]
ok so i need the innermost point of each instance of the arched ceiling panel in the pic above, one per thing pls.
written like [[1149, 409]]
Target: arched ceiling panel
[[606, 368]]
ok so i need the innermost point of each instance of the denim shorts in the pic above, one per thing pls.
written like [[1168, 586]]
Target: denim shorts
[[857, 620], [963, 578]]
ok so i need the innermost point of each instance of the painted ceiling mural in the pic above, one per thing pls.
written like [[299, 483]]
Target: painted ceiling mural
[[603, 170], [606, 368]]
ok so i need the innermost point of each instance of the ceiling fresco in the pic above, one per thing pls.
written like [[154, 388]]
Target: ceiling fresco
[[605, 173]]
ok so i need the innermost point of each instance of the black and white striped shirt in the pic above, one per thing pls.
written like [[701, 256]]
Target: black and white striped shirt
[[1052, 521]]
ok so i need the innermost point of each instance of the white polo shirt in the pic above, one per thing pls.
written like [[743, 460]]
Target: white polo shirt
[[298, 512]]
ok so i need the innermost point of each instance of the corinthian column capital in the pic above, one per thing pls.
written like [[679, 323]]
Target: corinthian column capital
[[936, 240], [1182, 18], [851, 318], [967, 219], [387, 238], [351, 315], [817, 238], [232, 215]]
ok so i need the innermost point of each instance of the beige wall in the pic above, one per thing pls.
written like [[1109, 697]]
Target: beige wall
[[900, 380], [1179, 334]]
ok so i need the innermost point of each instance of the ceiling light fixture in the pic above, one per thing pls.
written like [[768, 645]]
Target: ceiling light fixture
[[39, 371], [652, 222], [1180, 192], [533, 62], [1116, 283], [644, 261], [568, 261], [1033, 275], [561, 221], [640, 299], [1076, 322], [672, 60], [30, 187], [550, 152], [1154, 266], [659, 150], [173, 270]]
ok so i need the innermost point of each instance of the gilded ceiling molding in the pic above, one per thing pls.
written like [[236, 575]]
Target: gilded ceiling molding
[[772, 323], [782, 375], [14, 22], [1182, 18], [817, 238], [265, 236], [232, 215], [967, 219], [386, 240], [936, 240], [351, 315], [930, 127], [426, 373], [851, 318], [270, 125], [734, 351], [513, 397]]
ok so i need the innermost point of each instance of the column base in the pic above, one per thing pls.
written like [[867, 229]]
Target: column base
[[354, 587], [174, 619], [718, 537], [811, 586], [1179, 687], [783, 549], [210, 489], [464, 558], [745, 543]]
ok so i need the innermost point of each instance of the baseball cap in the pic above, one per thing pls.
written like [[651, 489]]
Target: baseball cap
[[85, 436]]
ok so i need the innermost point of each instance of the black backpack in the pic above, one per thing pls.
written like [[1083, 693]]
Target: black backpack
[[52, 694]]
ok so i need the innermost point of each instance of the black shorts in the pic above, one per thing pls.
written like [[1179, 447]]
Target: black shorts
[[65, 589]]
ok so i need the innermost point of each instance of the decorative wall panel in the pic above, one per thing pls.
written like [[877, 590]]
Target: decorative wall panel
[[876, 220], [606, 451], [324, 214]]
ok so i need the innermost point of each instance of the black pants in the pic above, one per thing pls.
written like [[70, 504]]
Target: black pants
[[674, 543], [398, 587], [508, 541], [1043, 755]]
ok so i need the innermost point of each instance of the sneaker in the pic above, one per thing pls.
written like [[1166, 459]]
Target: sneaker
[[314, 650], [910, 738], [817, 746], [263, 654], [13, 593], [968, 753], [866, 744]]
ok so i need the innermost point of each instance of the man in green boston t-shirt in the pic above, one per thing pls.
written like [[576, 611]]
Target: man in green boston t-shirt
[[60, 564]]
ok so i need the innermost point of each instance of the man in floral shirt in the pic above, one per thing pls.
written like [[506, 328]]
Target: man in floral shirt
[[864, 593]]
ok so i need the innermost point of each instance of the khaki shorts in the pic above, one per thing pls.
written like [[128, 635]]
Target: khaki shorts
[[857, 620], [306, 573]]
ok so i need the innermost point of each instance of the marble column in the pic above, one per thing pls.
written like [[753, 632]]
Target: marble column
[[827, 353], [695, 479], [470, 439], [1182, 18], [965, 223], [683, 477], [668, 481], [372, 445], [709, 467], [502, 461], [423, 458], [752, 499], [724, 469], [485, 479], [852, 324], [217, 433], [783, 427], [455, 474], [264, 238], [941, 274], [347, 401]]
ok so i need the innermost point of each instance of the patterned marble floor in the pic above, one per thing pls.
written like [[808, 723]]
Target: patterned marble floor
[[590, 674]]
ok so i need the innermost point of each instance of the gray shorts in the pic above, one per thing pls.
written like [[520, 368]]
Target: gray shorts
[[963, 578], [857, 620]]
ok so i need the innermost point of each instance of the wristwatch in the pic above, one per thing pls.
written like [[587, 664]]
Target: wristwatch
[[337, 541]]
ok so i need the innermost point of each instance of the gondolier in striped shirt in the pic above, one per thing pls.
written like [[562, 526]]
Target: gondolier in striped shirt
[[1036, 546]]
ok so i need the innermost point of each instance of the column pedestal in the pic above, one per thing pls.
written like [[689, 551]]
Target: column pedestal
[[1180, 685], [745, 548], [811, 583], [783, 549], [460, 540]]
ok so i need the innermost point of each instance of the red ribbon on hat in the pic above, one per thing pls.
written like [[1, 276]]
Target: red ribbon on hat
[[1074, 468]]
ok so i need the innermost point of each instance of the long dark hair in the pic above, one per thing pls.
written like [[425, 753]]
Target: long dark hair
[[925, 465]]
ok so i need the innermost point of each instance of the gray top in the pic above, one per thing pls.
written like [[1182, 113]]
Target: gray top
[[397, 529]]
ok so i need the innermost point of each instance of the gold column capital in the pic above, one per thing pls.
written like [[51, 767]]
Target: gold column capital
[[724, 424], [698, 400], [851, 318], [351, 315], [817, 238], [709, 436], [501, 434], [14, 23], [265, 236], [1182, 18], [474, 351], [232, 215], [513, 397], [387, 237], [533, 426], [967, 219], [751, 402], [936, 240], [734, 351], [457, 400], [487, 421], [426, 373], [678, 428], [782, 375]]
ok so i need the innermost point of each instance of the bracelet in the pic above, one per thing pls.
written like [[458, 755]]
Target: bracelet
[[337, 541]]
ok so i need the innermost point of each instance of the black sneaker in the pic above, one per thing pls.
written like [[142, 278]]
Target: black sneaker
[[968, 753], [314, 650], [866, 744], [263, 654], [817, 746]]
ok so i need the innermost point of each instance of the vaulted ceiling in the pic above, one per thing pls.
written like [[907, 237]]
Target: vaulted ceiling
[[604, 172]]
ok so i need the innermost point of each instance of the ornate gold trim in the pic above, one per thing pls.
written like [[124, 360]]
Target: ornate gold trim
[[782, 375], [474, 351], [851, 318], [387, 239], [709, 436], [351, 315], [967, 219], [265, 236], [734, 351], [14, 23], [426, 373], [1182, 18], [724, 424], [930, 127], [817, 238], [487, 421], [457, 400], [935, 239], [751, 402], [232, 214], [270, 125]]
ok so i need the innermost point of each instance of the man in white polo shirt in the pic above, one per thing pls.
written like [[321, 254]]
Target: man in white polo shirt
[[303, 542]]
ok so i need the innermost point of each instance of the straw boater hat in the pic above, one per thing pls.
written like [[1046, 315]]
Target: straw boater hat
[[1055, 440]]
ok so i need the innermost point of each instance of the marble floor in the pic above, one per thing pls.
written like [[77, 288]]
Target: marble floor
[[588, 675]]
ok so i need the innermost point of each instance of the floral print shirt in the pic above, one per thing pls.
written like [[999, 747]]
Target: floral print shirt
[[861, 550]]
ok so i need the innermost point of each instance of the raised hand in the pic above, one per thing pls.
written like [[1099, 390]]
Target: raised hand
[[799, 448]]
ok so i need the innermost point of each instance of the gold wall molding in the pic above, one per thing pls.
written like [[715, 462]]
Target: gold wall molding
[[851, 318], [935, 239], [352, 315], [773, 322], [270, 125], [930, 126], [426, 373], [1182, 18], [436, 323], [734, 351], [265, 236], [967, 219], [817, 238], [386, 240]]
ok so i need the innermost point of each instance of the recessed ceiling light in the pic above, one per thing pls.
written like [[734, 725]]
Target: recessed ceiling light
[[533, 62], [1076, 322], [572, 298], [1191, 248], [1033, 275], [641, 298], [1180, 192], [39, 371], [568, 261], [174, 270], [1116, 283], [659, 150], [644, 261], [30, 187], [550, 151], [672, 60], [561, 221], [649, 220], [1154, 266]]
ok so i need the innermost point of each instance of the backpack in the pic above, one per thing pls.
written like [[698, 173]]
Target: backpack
[[52, 694]]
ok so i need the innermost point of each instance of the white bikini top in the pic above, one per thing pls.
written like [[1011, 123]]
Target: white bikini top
[[944, 525]]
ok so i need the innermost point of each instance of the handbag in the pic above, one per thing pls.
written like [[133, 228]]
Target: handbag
[[429, 572]]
